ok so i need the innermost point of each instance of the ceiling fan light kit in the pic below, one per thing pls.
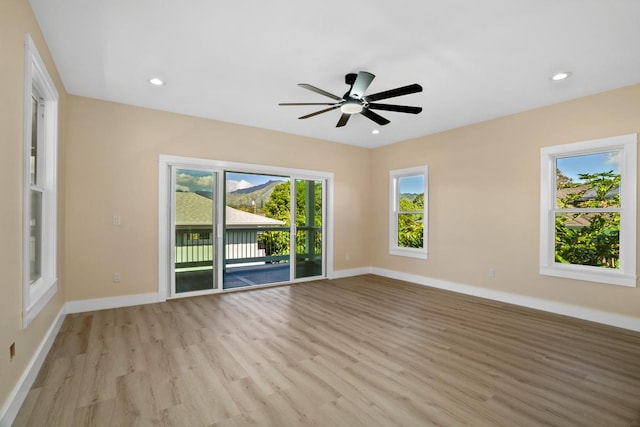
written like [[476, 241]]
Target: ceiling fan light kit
[[354, 101], [351, 107]]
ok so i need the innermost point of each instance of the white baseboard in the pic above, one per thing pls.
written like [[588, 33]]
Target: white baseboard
[[340, 274], [82, 306], [19, 393], [584, 313]]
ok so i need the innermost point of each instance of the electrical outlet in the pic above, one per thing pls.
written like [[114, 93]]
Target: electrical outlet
[[116, 220], [12, 351], [116, 277], [492, 273]]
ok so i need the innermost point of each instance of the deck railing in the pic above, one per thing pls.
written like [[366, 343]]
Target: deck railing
[[246, 245]]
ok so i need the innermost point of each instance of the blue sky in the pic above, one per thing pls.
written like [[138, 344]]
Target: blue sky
[[190, 180], [590, 163], [253, 179], [412, 184]]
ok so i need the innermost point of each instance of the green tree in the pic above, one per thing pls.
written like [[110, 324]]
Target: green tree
[[590, 238], [411, 225], [562, 180], [603, 183], [279, 207]]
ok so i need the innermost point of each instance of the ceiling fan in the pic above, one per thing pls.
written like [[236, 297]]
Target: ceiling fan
[[354, 101]]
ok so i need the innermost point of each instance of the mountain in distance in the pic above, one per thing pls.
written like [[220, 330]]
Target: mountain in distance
[[269, 184], [408, 196], [259, 193], [243, 197]]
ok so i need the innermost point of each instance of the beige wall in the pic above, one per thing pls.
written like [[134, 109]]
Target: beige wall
[[16, 19], [484, 199], [484, 193], [112, 168]]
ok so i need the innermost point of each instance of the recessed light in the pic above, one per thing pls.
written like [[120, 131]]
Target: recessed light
[[375, 131], [561, 76], [156, 81]]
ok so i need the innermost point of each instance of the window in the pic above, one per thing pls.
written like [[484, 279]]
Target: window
[[40, 182], [198, 237], [588, 210], [408, 212]]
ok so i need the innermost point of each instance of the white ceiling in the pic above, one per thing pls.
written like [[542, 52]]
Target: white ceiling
[[236, 60]]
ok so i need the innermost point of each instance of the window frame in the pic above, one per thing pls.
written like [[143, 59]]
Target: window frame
[[394, 212], [39, 85], [625, 275]]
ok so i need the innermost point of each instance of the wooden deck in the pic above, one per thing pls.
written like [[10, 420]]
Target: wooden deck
[[361, 351], [235, 277]]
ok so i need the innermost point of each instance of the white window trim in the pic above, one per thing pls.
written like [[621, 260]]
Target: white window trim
[[626, 274], [394, 177], [38, 81]]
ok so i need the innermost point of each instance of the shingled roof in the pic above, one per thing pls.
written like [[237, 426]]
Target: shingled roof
[[193, 209], [588, 192]]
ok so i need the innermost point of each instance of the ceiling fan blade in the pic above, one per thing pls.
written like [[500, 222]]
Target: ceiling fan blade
[[343, 120], [319, 112], [320, 91], [307, 103], [375, 117], [398, 108], [361, 84], [404, 90]]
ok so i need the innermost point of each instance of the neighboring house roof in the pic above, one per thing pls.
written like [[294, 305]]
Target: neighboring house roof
[[194, 209], [584, 219], [589, 193], [235, 217], [561, 193], [578, 221]]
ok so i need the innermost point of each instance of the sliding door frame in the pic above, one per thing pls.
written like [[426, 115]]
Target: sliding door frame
[[294, 228], [216, 238], [166, 162]]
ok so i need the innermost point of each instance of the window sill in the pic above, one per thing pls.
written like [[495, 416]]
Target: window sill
[[408, 252], [590, 274], [39, 297]]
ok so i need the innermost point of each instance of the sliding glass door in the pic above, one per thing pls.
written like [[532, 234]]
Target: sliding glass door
[[230, 227], [274, 231], [194, 238], [257, 229], [309, 241]]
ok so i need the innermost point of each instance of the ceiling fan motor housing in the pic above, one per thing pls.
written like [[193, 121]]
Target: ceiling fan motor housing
[[350, 78]]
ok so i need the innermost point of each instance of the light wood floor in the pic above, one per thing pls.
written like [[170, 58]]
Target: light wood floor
[[362, 351]]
